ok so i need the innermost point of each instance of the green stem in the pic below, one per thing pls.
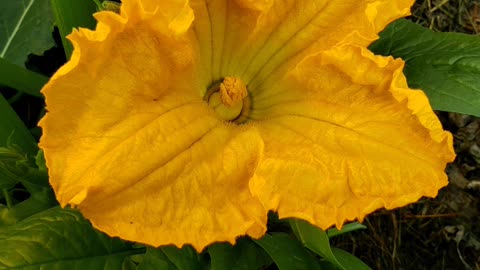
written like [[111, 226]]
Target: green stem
[[99, 4], [73, 14], [7, 198], [15, 98], [21, 79]]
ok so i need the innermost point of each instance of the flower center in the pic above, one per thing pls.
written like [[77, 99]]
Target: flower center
[[229, 99]]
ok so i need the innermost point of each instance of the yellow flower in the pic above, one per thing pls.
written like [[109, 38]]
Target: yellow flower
[[185, 122]]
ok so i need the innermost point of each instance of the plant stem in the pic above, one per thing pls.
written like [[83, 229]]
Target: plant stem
[[21, 79], [7, 198]]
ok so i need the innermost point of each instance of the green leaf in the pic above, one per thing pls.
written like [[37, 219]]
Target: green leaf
[[8, 177], [111, 6], [60, 239], [244, 255], [72, 14], [445, 65], [21, 79], [17, 167], [314, 239], [155, 259], [13, 130], [185, 258], [348, 260], [171, 258], [128, 264], [287, 253], [350, 227], [38, 202], [26, 28]]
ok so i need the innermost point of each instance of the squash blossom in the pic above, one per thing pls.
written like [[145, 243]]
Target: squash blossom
[[186, 121]]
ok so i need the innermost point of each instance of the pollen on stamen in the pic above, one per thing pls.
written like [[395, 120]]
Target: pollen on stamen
[[232, 91], [229, 99]]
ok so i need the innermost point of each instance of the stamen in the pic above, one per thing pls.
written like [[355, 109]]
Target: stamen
[[232, 91], [229, 99]]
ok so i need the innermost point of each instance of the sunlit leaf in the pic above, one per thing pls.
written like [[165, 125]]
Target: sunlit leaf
[[59, 239], [37, 202]]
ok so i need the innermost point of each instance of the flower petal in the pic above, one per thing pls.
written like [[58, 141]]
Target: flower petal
[[129, 140], [172, 17], [198, 197], [253, 39], [345, 136]]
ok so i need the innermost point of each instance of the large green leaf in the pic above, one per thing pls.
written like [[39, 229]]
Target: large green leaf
[[26, 27], [287, 253], [317, 240], [13, 130], [244, 255], [314, 239], [72, 14], [445, 65], [60, 239]]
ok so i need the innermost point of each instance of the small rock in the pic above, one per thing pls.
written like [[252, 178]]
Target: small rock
[[475, 152], [460, 120], [465, 136], [456, 177], [474, 185]]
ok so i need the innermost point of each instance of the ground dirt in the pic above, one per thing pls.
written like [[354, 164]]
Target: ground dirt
[[440, 233]]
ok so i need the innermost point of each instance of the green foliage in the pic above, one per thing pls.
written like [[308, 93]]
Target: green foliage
[[13, 130], [21, 79], [171, 258], [20, 173], [154, 259], [26, 28], [445, 65], [108, 5], [317, 241], [36, 203], [72, 14], [287, 253], [244, 255], [60, 239], [350, 227], [348, 260]]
